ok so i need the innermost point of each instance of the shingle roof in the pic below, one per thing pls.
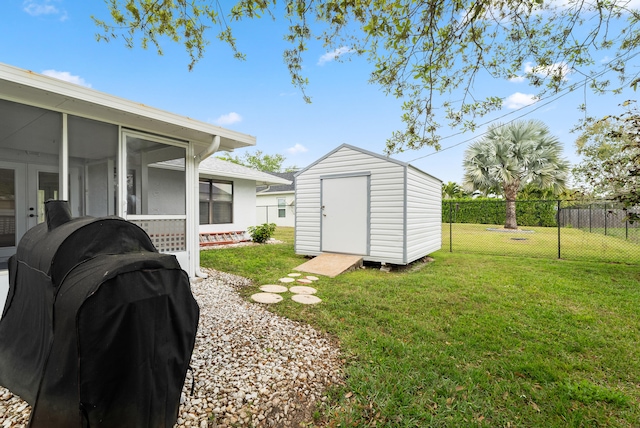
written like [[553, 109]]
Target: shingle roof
[[279, 188], [218, 167]]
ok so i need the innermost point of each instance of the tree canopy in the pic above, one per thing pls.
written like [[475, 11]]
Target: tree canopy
[[260, 161], [610, 166], [600, 146], [419, 50], [452, 190], [511, 156]]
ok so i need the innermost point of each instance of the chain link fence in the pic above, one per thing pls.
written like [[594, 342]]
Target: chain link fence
[[595, 231], [280, 215]]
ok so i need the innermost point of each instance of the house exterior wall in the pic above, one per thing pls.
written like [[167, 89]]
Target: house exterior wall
[[244, 212], [267, 209], [386, 211], [424, 217]]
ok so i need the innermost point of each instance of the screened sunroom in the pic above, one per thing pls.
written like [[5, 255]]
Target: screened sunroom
[[106, 156]]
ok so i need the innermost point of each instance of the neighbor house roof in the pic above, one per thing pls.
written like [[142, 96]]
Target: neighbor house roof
[[217, 167], [279, 188], [27, 87]]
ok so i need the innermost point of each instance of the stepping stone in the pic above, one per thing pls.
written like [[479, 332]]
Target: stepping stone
[[312, 278], [286, 280], [273, 288], [266, 298], [294, 274], [301, 289], [306, 299], [305, 281]]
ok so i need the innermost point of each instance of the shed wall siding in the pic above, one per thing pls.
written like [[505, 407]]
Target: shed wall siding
[[424, 214], [386, 203]]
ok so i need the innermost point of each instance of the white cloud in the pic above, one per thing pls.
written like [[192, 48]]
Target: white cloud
[[67, 77], [519, 100], [298, 148], [558, 68], [43, 7], [330, 56], [228, 119]]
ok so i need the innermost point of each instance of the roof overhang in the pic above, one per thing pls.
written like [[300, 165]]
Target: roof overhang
[[261, 179], [214, 167], [35, 89]]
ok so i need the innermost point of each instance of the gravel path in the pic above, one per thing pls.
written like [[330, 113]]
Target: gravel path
[[251, 368]]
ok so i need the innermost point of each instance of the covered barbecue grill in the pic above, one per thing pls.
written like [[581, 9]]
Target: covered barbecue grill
[[98, 327]]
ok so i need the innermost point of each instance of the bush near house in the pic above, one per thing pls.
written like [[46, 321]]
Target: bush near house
[[261, 233]]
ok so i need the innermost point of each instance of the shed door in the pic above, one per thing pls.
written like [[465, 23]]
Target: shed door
[[345, 208]]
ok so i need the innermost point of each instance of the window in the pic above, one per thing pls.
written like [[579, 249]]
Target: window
[[216, 202], [282, 212]]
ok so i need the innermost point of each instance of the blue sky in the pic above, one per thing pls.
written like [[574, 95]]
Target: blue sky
[[57, 37]]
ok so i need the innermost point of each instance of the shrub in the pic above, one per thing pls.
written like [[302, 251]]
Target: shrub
[[492, 211], [261, 233]]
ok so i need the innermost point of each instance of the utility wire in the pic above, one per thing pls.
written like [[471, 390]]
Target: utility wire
[[554, 97]]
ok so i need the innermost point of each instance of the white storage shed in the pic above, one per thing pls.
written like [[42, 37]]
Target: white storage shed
[[354, 201]]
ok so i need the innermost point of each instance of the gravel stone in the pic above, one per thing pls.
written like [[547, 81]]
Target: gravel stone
[[250, 367]]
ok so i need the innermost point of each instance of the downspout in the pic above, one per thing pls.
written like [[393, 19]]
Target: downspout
[[213, 147]]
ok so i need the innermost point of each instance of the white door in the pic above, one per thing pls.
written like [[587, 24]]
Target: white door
[[13, 221], [345, 212], [42, 185], [23, 191]]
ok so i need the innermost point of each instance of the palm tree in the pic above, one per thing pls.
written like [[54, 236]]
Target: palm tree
[[511, 156], [452, 190]]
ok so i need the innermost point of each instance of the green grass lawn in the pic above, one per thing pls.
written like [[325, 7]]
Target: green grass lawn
[[471, 340], [575, 244]]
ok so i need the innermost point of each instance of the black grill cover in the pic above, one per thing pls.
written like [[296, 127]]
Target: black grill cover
[[98, 327]]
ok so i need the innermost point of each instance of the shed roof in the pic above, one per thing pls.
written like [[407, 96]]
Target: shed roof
[[370, 153], [217, 167], [27, 87]]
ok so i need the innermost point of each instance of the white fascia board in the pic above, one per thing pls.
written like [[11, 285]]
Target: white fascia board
[[262, 179], [282, 192]]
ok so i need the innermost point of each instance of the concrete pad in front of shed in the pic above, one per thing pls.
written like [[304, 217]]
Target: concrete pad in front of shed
[[330, 264]]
